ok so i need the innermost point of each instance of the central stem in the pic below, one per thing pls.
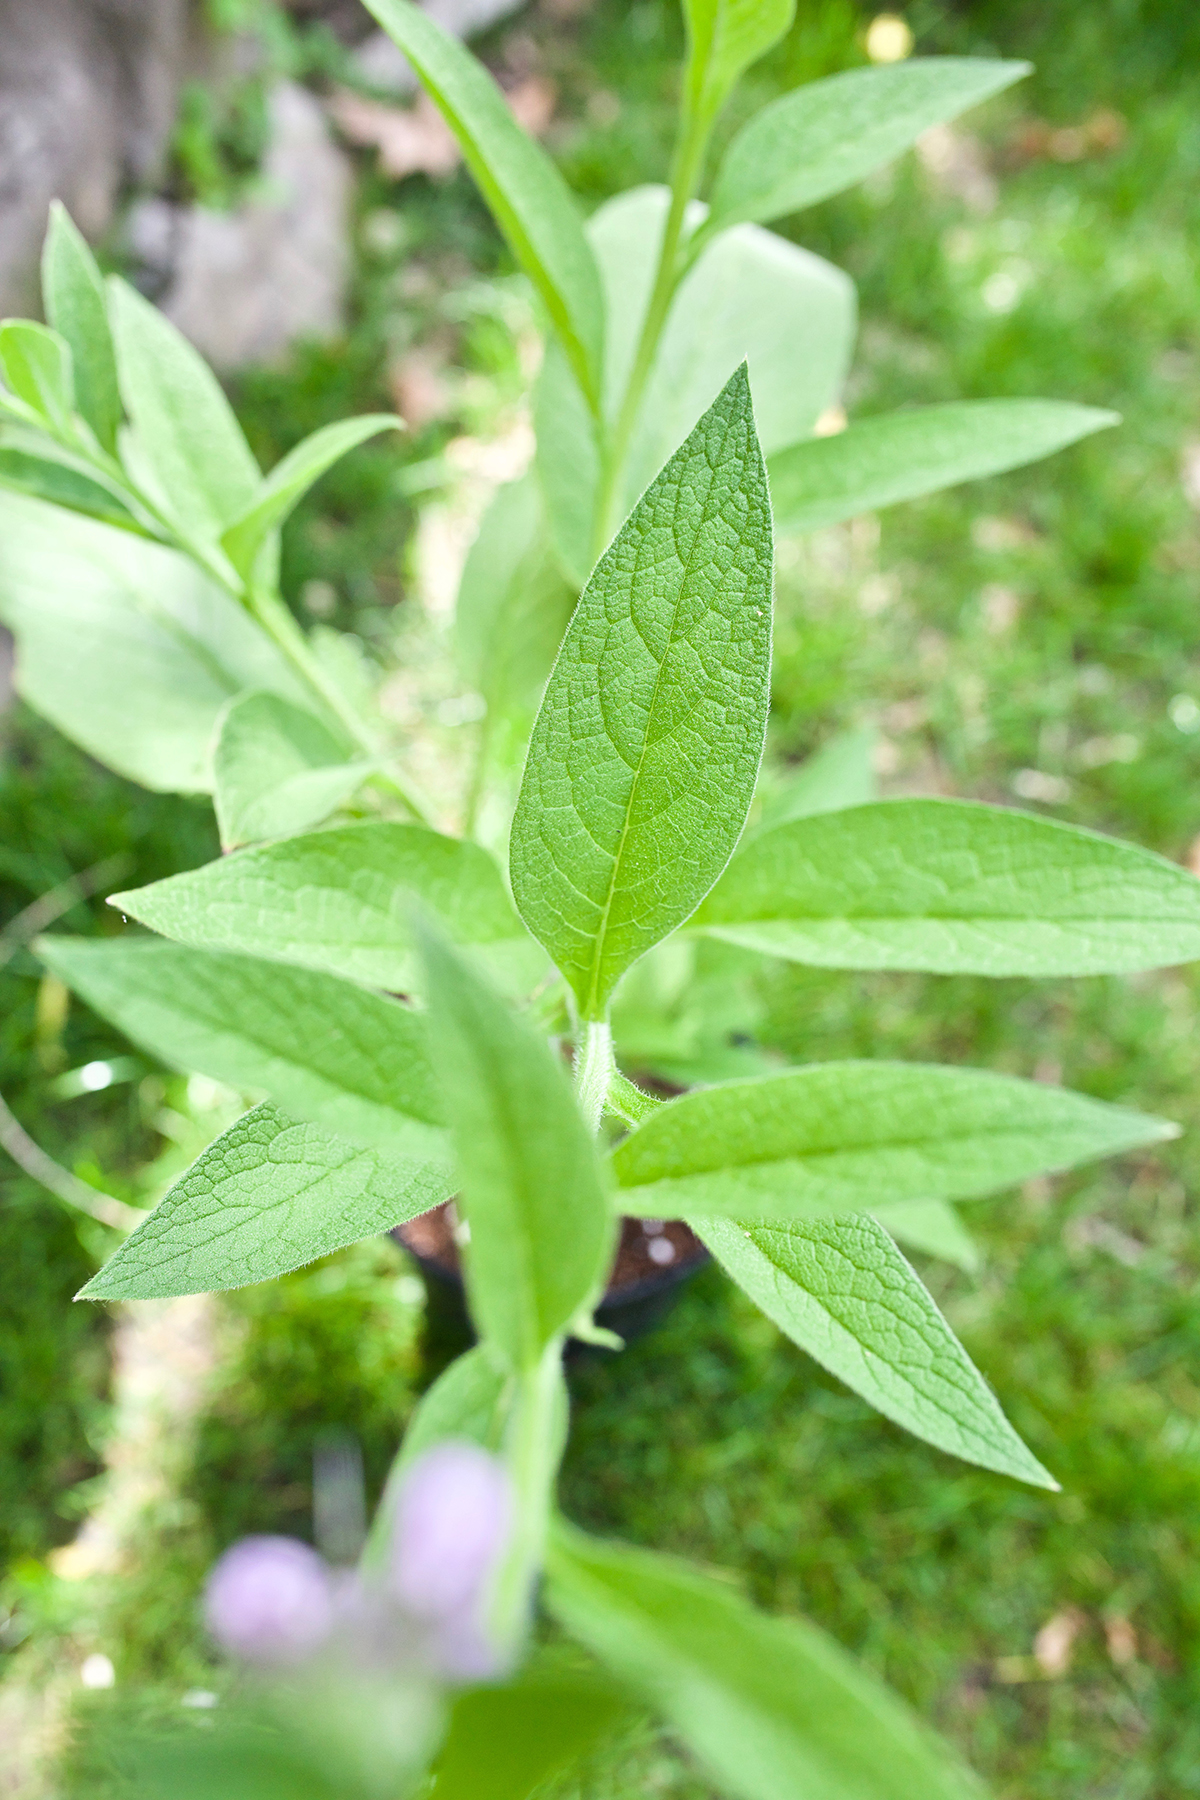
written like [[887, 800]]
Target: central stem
[[593, 1071], [534, 1446], [686, 164]]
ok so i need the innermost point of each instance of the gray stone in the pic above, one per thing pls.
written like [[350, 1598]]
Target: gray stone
[[244, 284], [88, 94]]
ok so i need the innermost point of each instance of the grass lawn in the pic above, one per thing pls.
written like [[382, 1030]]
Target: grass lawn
[[1032, 639]]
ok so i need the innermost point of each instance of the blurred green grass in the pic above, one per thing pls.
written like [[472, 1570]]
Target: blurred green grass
[[1043, 622]]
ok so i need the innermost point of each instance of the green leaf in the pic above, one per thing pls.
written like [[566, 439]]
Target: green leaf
[[185, 427], [470, 1399], [540, 1229], [277, 769], [342, 900], [526, 194], [836, 1137], [513, 607], [646, 749], [505, 1742], [838, 775], [726, 36], [933, 1226], [33, 463], [35, 366], [841, 1290], [772, 1708], [266, 1197], [827, 135], [352, 1062], [73, 292], [899, 456], [125, 645], [953, 887], [291, 478]]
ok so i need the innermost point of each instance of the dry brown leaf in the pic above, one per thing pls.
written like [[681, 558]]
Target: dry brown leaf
[[1055, 1641], [416, 140], [410, 139]]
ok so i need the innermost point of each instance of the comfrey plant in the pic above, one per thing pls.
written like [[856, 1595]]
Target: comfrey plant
[[405, 1009]]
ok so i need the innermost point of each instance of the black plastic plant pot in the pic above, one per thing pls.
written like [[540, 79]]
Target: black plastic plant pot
[[654, 1258]]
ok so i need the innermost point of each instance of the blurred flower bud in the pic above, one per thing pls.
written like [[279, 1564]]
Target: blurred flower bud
[[270, 1599], [449, 1531]]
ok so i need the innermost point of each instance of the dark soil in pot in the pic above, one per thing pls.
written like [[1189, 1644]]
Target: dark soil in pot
[[653, 1259]]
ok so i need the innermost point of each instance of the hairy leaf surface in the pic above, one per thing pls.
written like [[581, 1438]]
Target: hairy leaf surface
[[540, 1228], [954, 887], [646, 749], [841, 1290], [268, 1196], [839, 1137], [351, 1061], [341, 900], [772, 1708], [899, 456]]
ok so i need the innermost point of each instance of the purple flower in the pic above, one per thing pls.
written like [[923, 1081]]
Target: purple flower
[[449, 1530], [270, 1599]]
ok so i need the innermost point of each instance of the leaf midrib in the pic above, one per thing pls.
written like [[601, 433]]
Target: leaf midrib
[[602, 932]]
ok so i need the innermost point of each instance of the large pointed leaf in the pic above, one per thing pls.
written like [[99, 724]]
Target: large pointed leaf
[[353, 1062], [646, 749], [73, 292], [277, 768], [266, 1197], [840, 1137], [185, 427], [124, 644], [342, 900], [954, 887], [292, 477], [827, 135], [841, 1290], [902, 455], [726, 37], [540, 1229], [524, 190], [772, 1708]]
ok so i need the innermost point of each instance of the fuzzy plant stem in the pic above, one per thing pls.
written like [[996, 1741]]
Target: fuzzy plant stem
[[593, 1071]]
